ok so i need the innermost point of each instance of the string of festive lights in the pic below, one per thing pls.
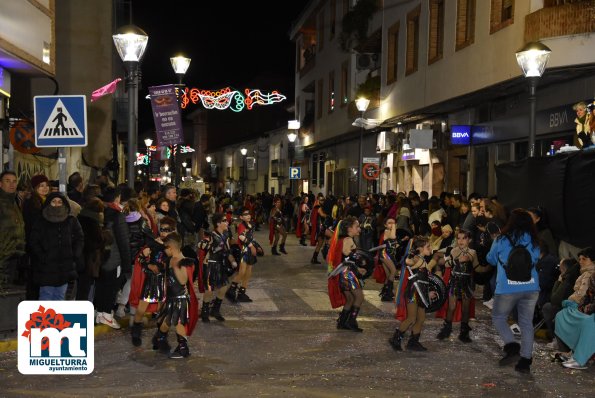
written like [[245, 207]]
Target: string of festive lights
[[227, 98]]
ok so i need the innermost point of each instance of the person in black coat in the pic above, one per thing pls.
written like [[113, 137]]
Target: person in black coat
[[57, 241], [117, 266]]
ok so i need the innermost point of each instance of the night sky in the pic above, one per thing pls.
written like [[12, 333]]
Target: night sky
[[230, 44]]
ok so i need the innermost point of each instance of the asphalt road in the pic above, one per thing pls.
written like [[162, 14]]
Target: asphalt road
[[285, 344]]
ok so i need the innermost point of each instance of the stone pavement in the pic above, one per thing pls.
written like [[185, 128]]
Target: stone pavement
[[285, 344]]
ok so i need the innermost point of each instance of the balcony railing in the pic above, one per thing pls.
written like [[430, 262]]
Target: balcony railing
[[563, 20]]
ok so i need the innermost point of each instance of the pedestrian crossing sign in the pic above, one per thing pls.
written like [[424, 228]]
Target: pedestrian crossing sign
[[60, 120]]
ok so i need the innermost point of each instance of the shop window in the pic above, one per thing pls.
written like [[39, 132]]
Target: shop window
[[436, 31], [521, 150], [321, 160], [393, 54], [314, 170], [465, 23], [503, 153], [481, 170], [412, 41]]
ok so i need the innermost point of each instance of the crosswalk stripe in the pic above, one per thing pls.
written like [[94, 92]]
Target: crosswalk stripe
[[261, 302], [316, 299], [372, 297]]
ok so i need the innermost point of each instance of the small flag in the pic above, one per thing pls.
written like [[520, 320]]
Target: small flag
[[105, 90]]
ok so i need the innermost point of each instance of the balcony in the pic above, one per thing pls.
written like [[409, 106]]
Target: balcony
[[562, 20]]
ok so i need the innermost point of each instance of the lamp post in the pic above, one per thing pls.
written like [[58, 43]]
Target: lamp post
[[184, 164], [532, 59], [148, 143], [244, 152], [293, 126], [131, 42], [362, 105], [180, 65]]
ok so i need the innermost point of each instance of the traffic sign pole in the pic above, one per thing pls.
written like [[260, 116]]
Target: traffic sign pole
[[62, 169]]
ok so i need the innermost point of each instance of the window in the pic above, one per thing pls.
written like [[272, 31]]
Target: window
[[319, 92], [314, 170], [331, 91], [502, 14], [320, 31], [412, 40], [333, 27], [393, 54], [465, 23], [345, 83], [436, 31], [345, 9], [321, 159]]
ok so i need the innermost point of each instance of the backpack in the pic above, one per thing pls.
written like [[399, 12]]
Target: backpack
[[519, 265]]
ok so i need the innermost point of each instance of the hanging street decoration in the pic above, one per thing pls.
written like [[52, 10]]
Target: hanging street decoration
[[228, 98]]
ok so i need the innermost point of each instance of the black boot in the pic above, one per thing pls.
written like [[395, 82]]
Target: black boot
[[160, 341], [231, 293], [282, 248], [524, 365], [511, 351], [464, 334], [274, 251], [388, 295], [303, 241], [182, 350], [204, 312], [342, 318], [396, 340], [351, 322], [382, 291], [243, 297], [314, 259], [445, 331], [136, 331], [414, 345], [215, 310]]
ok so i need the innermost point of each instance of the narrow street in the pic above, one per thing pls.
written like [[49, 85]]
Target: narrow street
[[285, 344]]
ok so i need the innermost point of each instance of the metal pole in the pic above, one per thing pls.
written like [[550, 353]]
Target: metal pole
[[361, 158], [291, 149], [532, 107], [147, 176], [62, 169], [132, 87], [245, 174]]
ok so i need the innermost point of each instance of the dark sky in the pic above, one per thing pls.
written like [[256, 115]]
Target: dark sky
[[230, 44]]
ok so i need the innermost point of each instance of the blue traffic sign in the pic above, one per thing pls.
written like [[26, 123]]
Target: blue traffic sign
[[295, 173], [60, 120]]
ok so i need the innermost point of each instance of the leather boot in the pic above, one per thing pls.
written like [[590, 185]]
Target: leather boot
[[342, 318], [231, 293], [351, 322], [282, 248], [204, 312], [382, 291], [314, 259], [136, 331], [182, 350], [414, 345], [303, 241], [464, 334], [160, 341], [445, 331], [242, 296], [524, 365], [512, 354], [215, 310], [396, 340], [274, 251], [388, 292]]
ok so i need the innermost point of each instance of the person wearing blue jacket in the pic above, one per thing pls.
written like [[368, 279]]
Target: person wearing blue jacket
[[521, 230]]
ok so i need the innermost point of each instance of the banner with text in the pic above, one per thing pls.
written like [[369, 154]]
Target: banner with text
[[166, 114]]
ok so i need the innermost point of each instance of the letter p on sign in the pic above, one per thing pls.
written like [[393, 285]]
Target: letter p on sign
[[295, 173]]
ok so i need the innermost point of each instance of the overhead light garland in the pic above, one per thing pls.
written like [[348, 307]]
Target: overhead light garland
[[228, 98]]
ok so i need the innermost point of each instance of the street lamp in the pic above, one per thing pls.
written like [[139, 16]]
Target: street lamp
[[131, 42], [180, 65], [292, 126], [532, 59], [148, 143], [184, 164], [208, 159], [244, 152], [361, 104]]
